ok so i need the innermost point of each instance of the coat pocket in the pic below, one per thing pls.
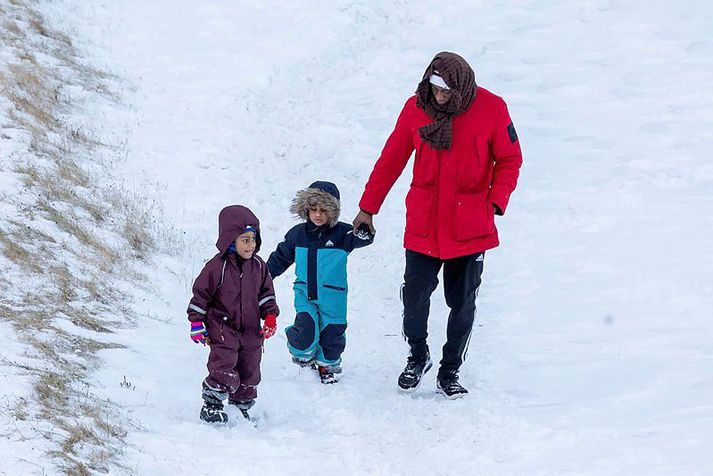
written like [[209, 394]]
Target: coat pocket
[[419, 211], [474, 166], [474, 216], [217, 325], [335, 288]]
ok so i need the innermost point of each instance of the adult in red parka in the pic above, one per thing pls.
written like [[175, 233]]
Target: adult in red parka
[[467, 164]]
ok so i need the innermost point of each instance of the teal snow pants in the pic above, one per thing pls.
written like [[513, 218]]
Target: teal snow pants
[[320, 325]]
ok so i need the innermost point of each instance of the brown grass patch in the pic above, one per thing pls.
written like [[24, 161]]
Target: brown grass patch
[[75, 259], [11, 246]]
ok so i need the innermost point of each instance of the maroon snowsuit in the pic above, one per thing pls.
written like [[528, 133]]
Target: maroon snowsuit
[[231, 296]]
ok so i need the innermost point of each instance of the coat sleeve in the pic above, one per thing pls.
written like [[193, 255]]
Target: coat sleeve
[[266, 298], [283, 256], [508, 159], [204, 288], [391, 163]]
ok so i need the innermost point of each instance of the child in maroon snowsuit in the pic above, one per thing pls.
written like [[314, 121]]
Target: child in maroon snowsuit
[[231, 295]]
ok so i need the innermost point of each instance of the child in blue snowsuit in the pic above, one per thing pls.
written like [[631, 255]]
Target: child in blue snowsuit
[[319, 248]]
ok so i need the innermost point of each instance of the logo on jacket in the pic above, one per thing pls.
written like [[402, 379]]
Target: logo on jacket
[[329, 243], [512, 133]]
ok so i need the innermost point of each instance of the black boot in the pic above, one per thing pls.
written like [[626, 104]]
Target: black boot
[[304, 363], [328, 373], [212, 412], [411, 377], [244, 406], [448, 386]]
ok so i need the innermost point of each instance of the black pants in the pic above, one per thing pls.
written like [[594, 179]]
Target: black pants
[[461, 280]]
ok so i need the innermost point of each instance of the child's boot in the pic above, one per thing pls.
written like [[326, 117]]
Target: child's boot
[[303, 363], [328, 373], [244, 406], [212, 412]]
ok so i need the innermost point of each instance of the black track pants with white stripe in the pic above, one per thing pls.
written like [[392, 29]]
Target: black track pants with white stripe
[[461, 280]]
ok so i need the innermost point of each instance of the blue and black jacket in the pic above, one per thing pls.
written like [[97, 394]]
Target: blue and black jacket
[[320, 255]]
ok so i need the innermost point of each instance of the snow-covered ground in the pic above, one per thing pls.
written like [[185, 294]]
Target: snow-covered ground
[[593, 351]]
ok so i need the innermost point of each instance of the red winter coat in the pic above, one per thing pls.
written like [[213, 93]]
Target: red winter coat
[[449, 208]]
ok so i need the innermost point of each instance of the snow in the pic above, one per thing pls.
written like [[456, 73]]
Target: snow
[[593, 351]]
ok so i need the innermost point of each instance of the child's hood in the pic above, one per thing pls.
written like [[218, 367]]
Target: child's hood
[[323, 194], [232, 221]]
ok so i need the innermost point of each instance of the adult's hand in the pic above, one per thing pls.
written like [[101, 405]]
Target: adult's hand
[[364, 218]]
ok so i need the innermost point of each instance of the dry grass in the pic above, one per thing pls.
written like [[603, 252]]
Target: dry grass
[[16, 253], [70, 172], [65, 183], [89, 321], [65, 282], [9, 27], [137, 232], [60, 238], [35, 103], [18, 409], [67, 221]]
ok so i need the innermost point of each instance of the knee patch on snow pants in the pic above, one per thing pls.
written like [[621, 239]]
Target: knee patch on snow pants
[[306, 341], [332, 341], [301, 336]]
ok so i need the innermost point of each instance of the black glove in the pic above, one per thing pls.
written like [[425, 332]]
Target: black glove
[[363, 232]]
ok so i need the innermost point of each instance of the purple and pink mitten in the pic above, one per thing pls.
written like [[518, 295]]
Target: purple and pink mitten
[[199, 334]]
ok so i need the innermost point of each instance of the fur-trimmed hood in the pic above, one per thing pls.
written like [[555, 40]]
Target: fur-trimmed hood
[[322, 194]]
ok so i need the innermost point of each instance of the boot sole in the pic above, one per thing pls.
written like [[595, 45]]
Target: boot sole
[[216, 422], [411, 390], [455, 396]]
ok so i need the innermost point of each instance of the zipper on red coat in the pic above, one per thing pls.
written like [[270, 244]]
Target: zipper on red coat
[[438, 201]]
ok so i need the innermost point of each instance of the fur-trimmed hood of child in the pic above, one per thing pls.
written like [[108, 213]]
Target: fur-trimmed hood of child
[[319, 194]]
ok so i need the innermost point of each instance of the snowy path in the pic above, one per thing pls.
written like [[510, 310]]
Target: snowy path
[[593, 351]]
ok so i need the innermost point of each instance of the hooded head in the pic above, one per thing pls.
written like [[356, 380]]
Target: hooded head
[[319, 194], [235, 220], [446, 71]]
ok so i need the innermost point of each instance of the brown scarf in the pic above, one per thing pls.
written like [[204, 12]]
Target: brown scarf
[[460, 77]]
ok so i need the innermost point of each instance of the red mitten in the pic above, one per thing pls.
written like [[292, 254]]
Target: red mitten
[[270, 326]]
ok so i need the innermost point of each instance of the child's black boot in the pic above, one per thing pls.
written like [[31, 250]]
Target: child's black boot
[[212, 411], [328, 373], [304, 363], [243, 406]]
